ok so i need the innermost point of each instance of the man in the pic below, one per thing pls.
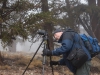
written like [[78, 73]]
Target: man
[[68, 40]]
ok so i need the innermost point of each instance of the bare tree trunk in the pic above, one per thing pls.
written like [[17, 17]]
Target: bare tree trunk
[[98, 25], [45, 7], [92, 2], [93, 17], [48, 26], [1, 61], [70, 18], [94, 20], [0, 30], [98, 3]]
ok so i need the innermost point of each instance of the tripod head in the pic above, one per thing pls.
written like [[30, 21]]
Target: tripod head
[[42, 32]]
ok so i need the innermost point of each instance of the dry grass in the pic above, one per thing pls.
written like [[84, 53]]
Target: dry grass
[[23, 59], [5, 67], [96, 63]]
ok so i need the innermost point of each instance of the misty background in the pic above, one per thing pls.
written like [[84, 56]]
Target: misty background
[[19, 45]]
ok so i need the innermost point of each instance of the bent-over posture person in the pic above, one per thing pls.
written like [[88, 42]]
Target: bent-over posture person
[[67, 45]]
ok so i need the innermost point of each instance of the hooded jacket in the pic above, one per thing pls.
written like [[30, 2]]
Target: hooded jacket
[[69, 40]]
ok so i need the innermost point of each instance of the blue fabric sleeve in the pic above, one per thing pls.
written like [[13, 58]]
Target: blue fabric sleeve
[[66, 46]]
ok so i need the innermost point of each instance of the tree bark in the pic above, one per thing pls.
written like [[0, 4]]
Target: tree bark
[[92, 2], [70, 18], [98, 3], [45, 6], [96, 26], [48, 26], [1, 60], [94, 19]]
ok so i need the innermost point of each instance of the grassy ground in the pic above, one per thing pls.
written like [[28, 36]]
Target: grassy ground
[[15, 64]]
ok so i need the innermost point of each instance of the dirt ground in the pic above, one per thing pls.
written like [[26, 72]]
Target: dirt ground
[[16, 63]]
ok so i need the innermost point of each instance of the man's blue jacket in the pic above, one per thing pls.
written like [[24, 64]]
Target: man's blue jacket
[[69, 40]]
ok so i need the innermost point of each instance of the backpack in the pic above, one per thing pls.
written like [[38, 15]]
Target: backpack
[[77, 56], [91, 44]]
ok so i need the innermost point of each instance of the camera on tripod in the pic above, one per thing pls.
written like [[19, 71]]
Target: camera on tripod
[[42, 32], [45, 42]]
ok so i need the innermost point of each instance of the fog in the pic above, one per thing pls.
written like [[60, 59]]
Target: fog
[[28, 46], [23, 46]]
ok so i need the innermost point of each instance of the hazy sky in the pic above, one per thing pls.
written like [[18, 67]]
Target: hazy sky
[[83, 1]]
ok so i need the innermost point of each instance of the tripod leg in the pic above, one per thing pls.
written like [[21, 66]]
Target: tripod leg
[[32, 57], [44, 58], [52, 67], [43, 64]]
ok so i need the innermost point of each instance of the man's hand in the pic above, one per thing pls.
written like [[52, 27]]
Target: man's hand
[[47, 52], [54, 63]]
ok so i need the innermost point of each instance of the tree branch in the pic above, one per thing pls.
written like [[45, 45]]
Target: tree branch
[[90, 33]]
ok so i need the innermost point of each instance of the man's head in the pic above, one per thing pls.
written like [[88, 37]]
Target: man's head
[[57, 34]]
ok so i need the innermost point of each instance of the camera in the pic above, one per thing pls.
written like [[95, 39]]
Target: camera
[[42, 32]]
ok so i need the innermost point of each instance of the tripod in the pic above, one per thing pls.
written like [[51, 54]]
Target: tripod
[[44, 40]]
